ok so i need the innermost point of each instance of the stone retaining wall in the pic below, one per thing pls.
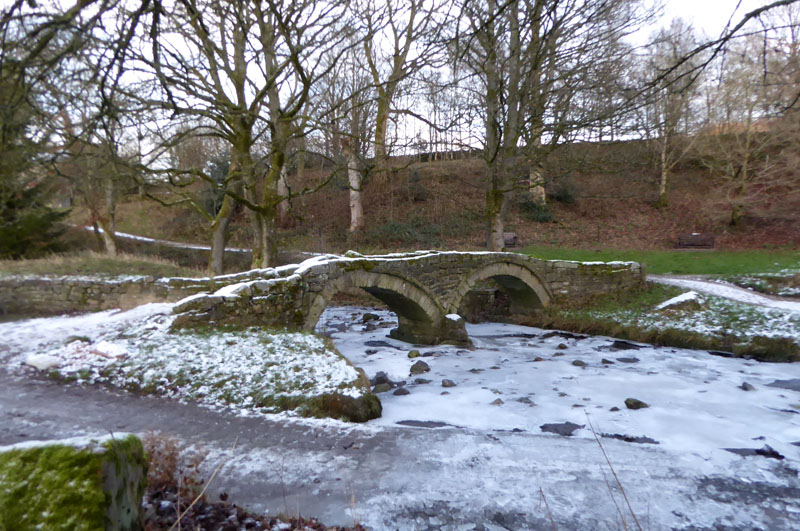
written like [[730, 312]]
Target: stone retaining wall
[[41, 296]]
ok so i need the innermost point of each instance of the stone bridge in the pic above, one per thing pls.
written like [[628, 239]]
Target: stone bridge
[[426, 289]]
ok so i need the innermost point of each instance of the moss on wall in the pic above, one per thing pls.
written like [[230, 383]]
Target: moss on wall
[[87, 486]]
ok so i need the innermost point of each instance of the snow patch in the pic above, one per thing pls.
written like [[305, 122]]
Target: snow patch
[[42, 362], [245, 370], [680, 299], [84, 441]]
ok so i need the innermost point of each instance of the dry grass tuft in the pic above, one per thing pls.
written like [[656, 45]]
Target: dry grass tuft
[[94, 263]]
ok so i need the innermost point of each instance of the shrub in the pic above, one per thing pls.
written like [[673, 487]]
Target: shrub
[[173, 463], [564, 191], [534, 210], [28, 227]]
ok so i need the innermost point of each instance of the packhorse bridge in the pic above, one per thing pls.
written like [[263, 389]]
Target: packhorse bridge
[[426, 289]]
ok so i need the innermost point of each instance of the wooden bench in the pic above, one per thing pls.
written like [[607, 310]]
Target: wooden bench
[[696, 240], [510, 239]]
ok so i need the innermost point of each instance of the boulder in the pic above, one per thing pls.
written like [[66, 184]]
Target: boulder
[[635, 403], [79, 483], [352, 409], [448, 383], [380, 378], [382, 388], [369, 317], [420, 367]]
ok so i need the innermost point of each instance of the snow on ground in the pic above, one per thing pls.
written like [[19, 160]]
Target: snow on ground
[[689, 296], [727, 291], [247, 369], [169, 243]]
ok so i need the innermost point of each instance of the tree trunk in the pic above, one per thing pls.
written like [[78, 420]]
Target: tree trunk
[[301, 170], [111, 205], [107, 233], [354, 179], [494, 218], [219, 237], [662, 185], [283, 191], [265, 252], [536, 185], [381, 128]]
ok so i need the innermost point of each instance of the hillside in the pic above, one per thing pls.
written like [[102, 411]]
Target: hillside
[[600, 196]]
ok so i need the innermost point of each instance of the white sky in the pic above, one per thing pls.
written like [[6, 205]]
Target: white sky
[[709, 16]]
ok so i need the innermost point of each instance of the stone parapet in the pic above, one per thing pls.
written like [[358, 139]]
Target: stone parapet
[[44, 295]]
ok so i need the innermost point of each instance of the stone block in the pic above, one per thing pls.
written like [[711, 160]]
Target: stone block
[[73, 484]]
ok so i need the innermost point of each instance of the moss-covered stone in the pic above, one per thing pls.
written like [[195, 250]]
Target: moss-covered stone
[[360, 409], [85, 484]]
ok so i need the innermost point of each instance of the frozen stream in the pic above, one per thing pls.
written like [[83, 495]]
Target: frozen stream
[[518, 379], [696, 401]]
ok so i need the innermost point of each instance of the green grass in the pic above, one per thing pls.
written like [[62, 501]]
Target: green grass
[[681, 262], [91, 263]]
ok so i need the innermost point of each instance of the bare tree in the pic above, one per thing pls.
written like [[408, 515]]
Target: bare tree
[[533, 58], [415, 34], [672, 98], [246, 70], [749, 143]]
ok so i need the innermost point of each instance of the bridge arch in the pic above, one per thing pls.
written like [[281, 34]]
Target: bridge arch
[[523, 286], [419, 314]]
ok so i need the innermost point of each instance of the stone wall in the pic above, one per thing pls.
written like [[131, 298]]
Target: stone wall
[[41, 295], [574, 281]]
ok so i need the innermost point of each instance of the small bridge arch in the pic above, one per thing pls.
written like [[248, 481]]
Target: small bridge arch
[[523, 286], [420, 317]]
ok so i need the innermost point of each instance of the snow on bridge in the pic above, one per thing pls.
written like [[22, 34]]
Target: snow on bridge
[[425, 289]]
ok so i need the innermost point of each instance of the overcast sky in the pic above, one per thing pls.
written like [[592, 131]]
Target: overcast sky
[[709, 16]]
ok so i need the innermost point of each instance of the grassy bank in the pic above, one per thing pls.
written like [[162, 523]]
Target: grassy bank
[[784, 283], [92, 263], [704, 322], [681, 262], [253, 371]]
